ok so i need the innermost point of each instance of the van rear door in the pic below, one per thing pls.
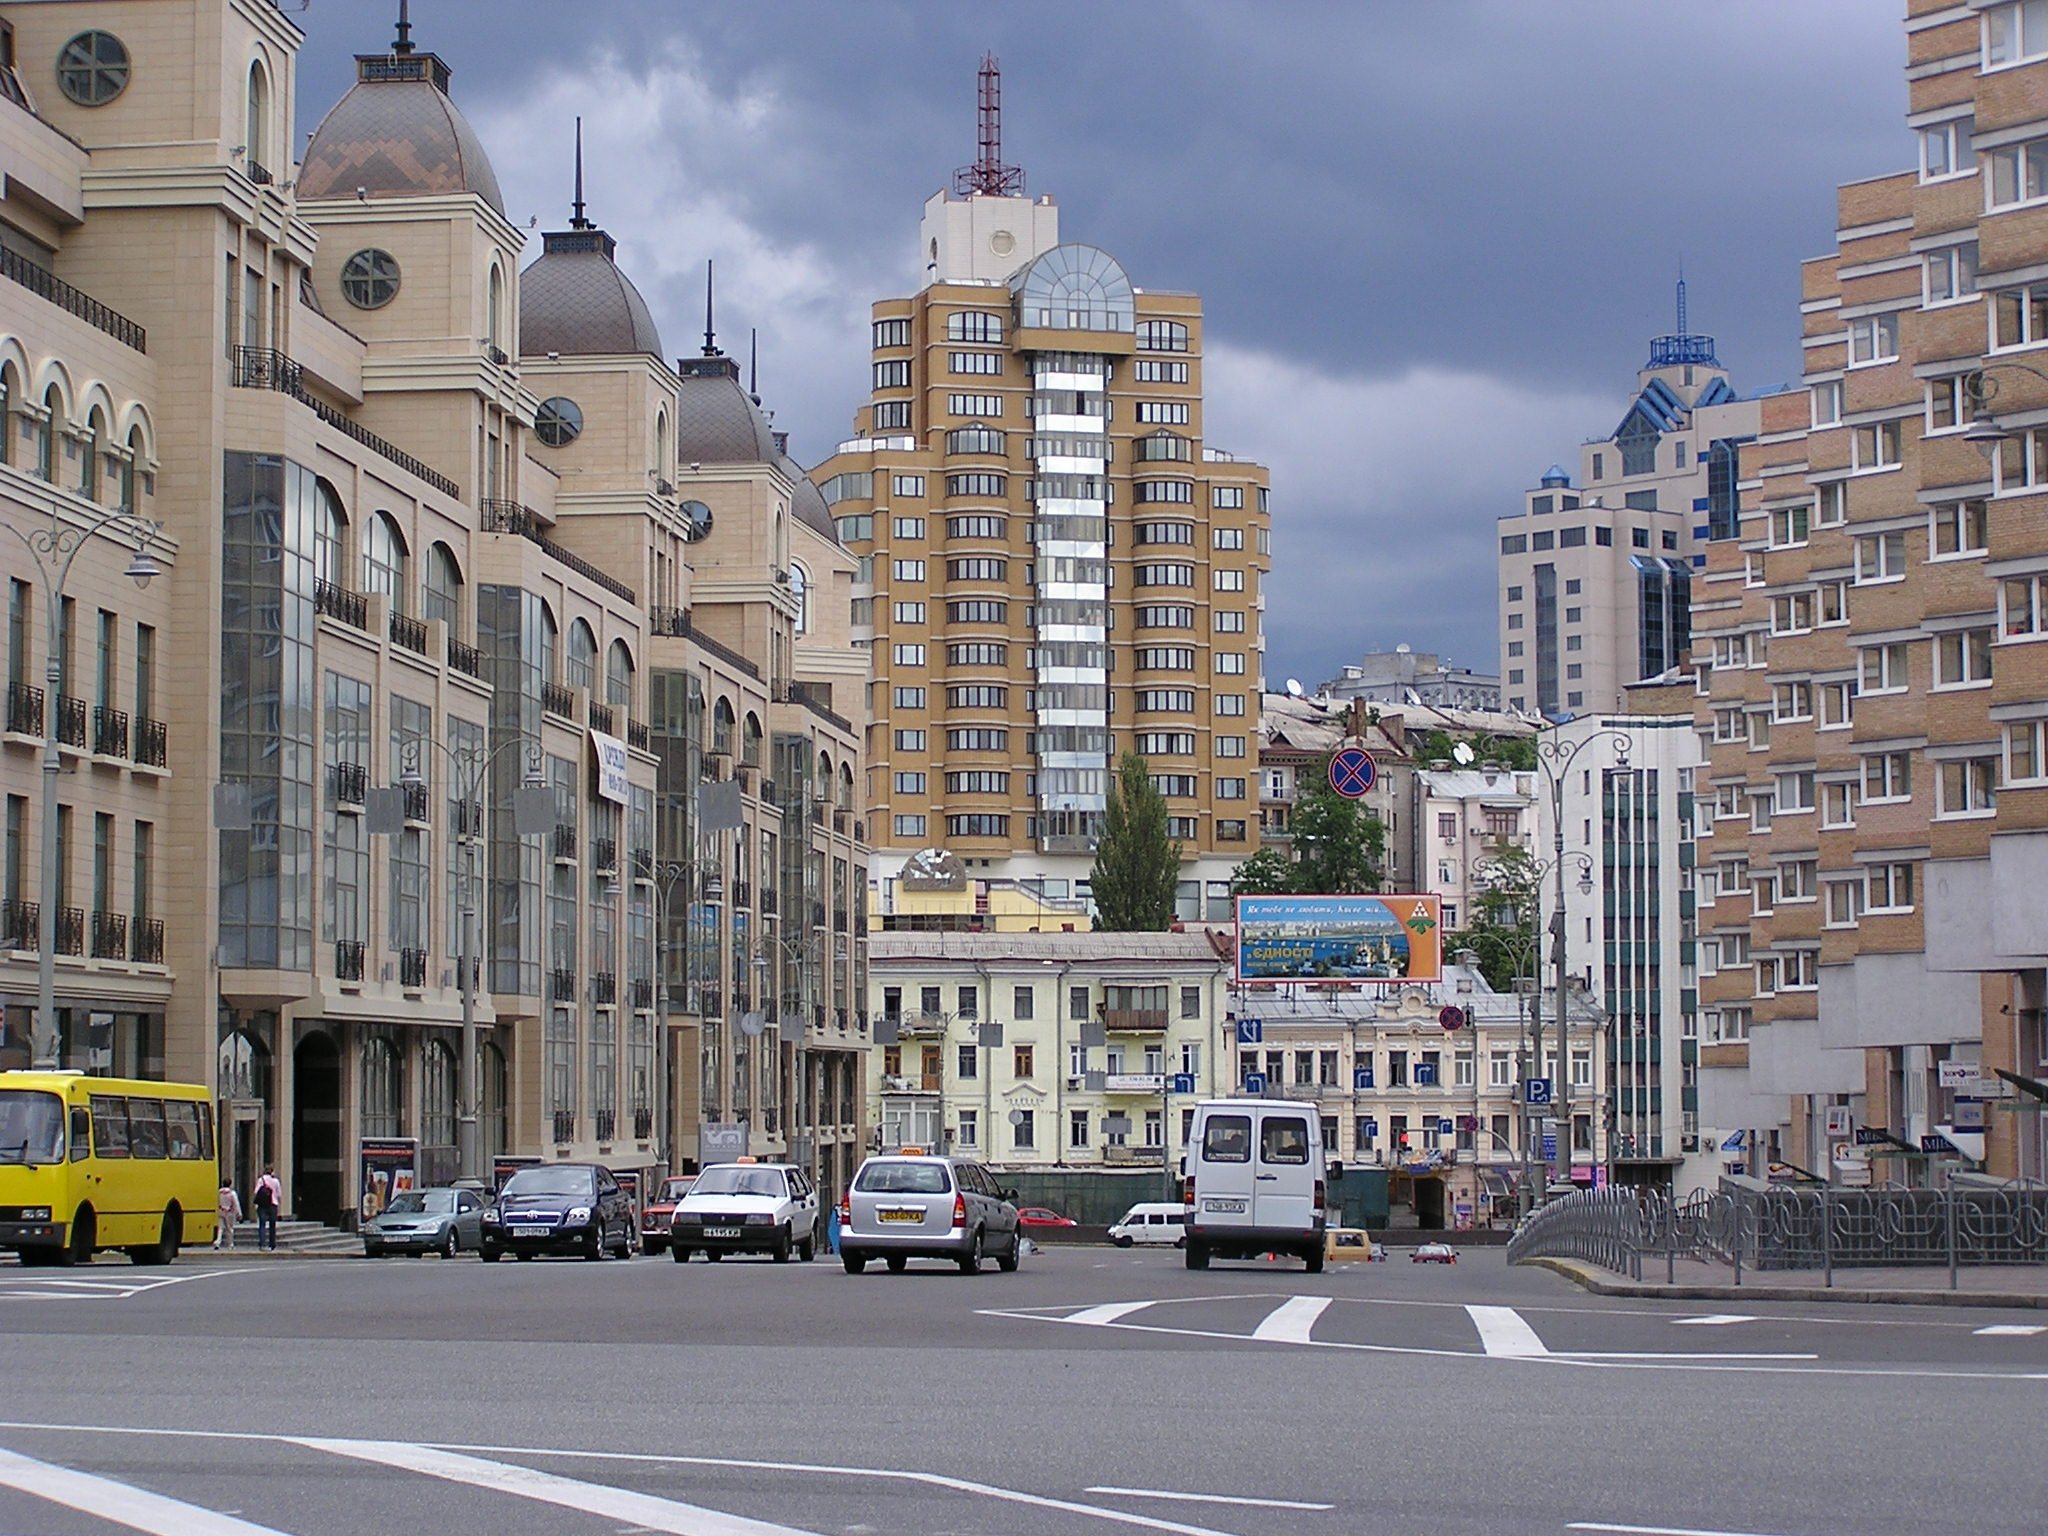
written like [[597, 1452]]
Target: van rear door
[[1223, 1169], [1284, 1174]]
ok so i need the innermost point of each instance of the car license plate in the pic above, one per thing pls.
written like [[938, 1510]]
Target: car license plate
[[902, 1215], [721, 1231], [529, 1231], [1224, 1206]]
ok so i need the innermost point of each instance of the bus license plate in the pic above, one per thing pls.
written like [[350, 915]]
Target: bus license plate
[[902, 1215], [721, 1231], [1235, 1207]]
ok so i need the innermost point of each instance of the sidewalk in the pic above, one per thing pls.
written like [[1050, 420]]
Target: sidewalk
[[2014, 1285]]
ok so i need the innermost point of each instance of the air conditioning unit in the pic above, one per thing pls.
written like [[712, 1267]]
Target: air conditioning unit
[[1076, 1082]]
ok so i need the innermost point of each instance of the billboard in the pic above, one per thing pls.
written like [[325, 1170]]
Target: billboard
[[1363, 939]]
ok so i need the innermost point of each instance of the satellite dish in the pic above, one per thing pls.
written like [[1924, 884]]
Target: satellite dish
[[1016, 1117], [1463, 753], [751, 1023], [1294, 687]]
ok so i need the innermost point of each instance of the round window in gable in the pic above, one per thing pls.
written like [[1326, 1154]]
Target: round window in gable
[[696, 521], [92, 69], [559, 421], [369, 279]]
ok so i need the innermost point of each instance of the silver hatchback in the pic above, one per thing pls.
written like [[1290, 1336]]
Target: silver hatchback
[[905, 1206]]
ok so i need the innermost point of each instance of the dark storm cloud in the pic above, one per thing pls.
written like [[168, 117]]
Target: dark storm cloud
[[1432, 239]]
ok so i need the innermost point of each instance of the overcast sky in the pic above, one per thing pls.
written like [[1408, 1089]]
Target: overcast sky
[[1432, 239]]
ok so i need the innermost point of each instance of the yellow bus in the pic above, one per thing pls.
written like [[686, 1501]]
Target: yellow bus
[[88, 1163]]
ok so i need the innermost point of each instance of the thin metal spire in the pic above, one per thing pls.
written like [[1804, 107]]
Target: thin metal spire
[[404, 43], [710, 336], [576, 218], [1681, 299], [754, 362]]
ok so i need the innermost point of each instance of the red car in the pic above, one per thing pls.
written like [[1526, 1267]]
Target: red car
[[654, 1218], [1039, 1216], [1434, 1253]]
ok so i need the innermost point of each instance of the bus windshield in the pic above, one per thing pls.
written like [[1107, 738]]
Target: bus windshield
[[31, 1127]]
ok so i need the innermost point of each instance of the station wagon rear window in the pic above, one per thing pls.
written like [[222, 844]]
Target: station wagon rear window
[[1227, 1139], [1283, 1140], [903, 1179]]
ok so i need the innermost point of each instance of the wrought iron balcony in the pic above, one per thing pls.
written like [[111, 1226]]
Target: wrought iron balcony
[[24, 709], [410, 633], [152, 743], [466, 818], [350, 782], [604, 854], [466, 659], [21, 925], [71, 721], [71, 931], [565, 1126], [742, 894], [109, 935], [418, 802], [564, 842], [643, 993], [109, 731], [260, 174], [557, 700], [604, 988], [412, 969], [262, 368], [348, 959], [341, 605], [769, 899], [673, 622], [636, 735], [562, 984], [643, 1124], [149, 941], [46, 284], [601, 718], [711, 1002], [501, 516], [607, 1124]]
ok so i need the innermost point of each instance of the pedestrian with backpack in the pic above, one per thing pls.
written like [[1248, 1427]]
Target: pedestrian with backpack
[[230, 1207], [269, 1194]]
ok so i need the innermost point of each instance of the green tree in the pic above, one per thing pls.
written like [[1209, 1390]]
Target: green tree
[[1499, 933], [1335, 850], [1516, 753], [1137, 870]]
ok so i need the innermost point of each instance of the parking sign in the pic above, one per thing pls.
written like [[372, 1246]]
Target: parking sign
[[1536, 1090]]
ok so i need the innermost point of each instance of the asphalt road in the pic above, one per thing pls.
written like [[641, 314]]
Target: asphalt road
[[1094, 1391]]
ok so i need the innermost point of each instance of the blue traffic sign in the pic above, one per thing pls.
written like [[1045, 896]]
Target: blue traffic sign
[[1372, 1128], [1550, 1146], [1445, 1128], [1255, 1083], [1425, 1074], [1183, 1082], [1353, 772], [1361, 1077], [1536, 1090], [1251, 1031]]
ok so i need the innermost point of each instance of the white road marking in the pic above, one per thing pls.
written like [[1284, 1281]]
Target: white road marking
[[1208, 1498], [2011, 1330], [1103, 1316], [45, 1287], [643, 1510], [1656, 1530], [136, 1508], [1505, 1335], [1292, 1321], [1713, 1320]]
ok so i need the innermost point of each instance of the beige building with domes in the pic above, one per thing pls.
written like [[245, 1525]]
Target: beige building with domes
[[433, 530]]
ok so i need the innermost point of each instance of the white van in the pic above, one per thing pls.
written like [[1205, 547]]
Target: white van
[[1157, 1221], [1255, 1181]]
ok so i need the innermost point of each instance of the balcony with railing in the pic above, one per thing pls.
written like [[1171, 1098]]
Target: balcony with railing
[[557, 700], [501, 516], [1134, 1021], [643, 1123], [643, 993], [601, 718], [109, 935], [562, 983], [149, 941], [466, 659], [71, 931], [348, 959], [412, 969], [607, 1124], [409, 633], [565, 1126], [466, 818], [742, 894], [564, 842], [348, 783], [769, 900], [152, 743], [604, 854], [418, 800], [259, 174], [21, 925], [637, 736], [343, 606], [24, 706], [109, 731], [673, 622], [71, 721], [604, 988], [262, 368], [711, 1002], [45, 284]]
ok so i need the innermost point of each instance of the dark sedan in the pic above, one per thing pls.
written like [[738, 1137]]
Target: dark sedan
[[567, 1208]]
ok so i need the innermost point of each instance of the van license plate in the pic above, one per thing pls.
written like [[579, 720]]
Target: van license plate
[[1224, 1206], [902, 1215]]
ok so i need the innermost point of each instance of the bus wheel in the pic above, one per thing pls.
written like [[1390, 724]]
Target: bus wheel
[[84, 1237], [165, 1248]]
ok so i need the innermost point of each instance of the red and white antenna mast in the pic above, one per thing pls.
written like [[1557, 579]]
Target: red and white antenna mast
[[989, 175]]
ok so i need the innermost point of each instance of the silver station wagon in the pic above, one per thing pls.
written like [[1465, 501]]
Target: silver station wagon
[[911, 1205]]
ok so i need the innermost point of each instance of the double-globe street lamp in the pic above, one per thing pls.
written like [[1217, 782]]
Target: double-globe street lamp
[[53, 548], [703, 880], [470, 769], [804, 954]]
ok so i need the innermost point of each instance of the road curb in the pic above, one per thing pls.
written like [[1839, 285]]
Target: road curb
[[1586, 1277]]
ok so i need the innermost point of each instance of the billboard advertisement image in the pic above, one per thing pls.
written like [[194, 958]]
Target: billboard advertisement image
[[1364, 939]]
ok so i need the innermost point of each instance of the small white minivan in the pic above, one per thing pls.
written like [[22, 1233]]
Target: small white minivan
[[1254, 1181], [1157, 1221]]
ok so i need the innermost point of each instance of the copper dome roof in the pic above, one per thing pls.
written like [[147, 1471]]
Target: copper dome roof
[[576, 302], [718, 422], [397, 134]]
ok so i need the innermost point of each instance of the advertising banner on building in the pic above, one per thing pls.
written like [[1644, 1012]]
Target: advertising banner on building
[[389, 1165], [1367, 940], [609, 754]]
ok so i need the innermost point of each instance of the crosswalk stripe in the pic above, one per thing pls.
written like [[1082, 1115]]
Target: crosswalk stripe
[[1101, 1317], [1503, 1333], [1292, 1321], [2011, 1330], [642, 1510], [136, 1508], [1712, 1320]]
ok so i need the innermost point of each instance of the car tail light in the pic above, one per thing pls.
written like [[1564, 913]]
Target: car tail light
[[1322, 1194], [1187, 1197], [959, 1210], [846, 1209]]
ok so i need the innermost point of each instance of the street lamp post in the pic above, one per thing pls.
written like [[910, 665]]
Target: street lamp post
[[797, 950], [665, 875], [53, 549], [471, 769], [1982, 390]]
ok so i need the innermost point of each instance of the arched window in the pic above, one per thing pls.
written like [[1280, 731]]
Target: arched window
[[975, 437], [10, 391], [46, 445], [384, 561], [618, 676], [750, 741], [437, 1113], [1074, 288], [800, 589], [91, 455], [330, 535], [494, 322], [822, 790], [845, 786], [721, 728], [661, 464], [383, 1088], [258, 118], [581, 663], [131, 468], [550, 638], [442, 596]]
